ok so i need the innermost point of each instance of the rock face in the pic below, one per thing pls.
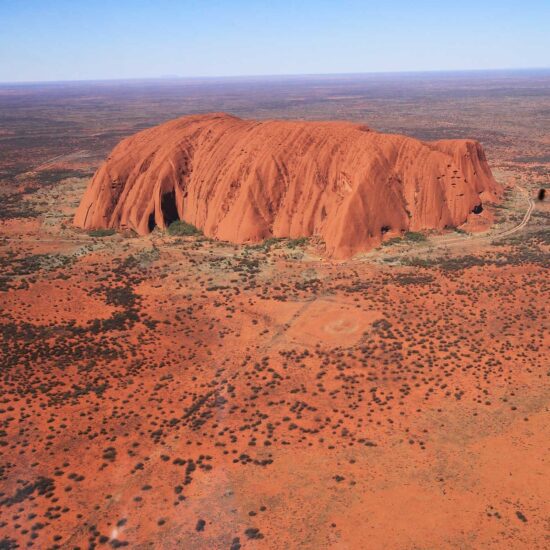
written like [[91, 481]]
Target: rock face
[[245, 180]]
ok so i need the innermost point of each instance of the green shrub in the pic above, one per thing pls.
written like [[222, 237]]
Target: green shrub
[[101, 232], [414, 236], [183, 229], [265, 246], [295, 243], [268, 244], [393, 240]]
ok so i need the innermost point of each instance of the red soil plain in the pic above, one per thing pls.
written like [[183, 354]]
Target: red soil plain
[[172, 390]]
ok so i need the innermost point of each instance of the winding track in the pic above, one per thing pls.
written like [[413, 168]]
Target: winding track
[[461, 241], [510, 231], [525, 219]]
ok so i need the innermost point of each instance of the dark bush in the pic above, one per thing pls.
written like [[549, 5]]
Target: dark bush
[[183, 229]]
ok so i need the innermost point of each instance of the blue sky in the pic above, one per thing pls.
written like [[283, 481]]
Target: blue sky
[[77, 39]]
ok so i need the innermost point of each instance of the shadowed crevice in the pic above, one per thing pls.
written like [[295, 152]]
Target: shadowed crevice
[[168, 207]]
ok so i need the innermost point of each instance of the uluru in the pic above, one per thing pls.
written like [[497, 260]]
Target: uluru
[[247, 180]]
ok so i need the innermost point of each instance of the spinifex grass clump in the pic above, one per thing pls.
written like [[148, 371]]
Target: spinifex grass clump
[[180, 228]]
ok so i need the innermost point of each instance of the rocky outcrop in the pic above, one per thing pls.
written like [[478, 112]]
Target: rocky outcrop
[[246, 180]]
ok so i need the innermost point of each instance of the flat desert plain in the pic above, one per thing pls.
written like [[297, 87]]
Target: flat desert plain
[[168, 391]]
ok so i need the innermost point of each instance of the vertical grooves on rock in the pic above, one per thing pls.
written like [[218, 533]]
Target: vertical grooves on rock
[[242, 180]]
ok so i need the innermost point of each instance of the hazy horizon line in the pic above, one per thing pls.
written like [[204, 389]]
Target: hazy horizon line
[[168, 77]]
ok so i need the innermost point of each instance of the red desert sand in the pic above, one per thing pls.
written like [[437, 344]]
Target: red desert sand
[[246, 180], [175, 391]]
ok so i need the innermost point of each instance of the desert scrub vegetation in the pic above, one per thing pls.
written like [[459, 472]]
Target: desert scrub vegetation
[[415, 237], [101, 232], [19, 272], [265, 246], [180, 228], [144, 258], [53, 175], [296, 243], [407, 237], [414, 279], [276, 242], [15, 205], [392, 241]]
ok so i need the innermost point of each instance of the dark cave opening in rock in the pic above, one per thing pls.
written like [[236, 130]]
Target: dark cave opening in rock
[[542, 194], [168, 207], [151, 221], [478, 209]]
